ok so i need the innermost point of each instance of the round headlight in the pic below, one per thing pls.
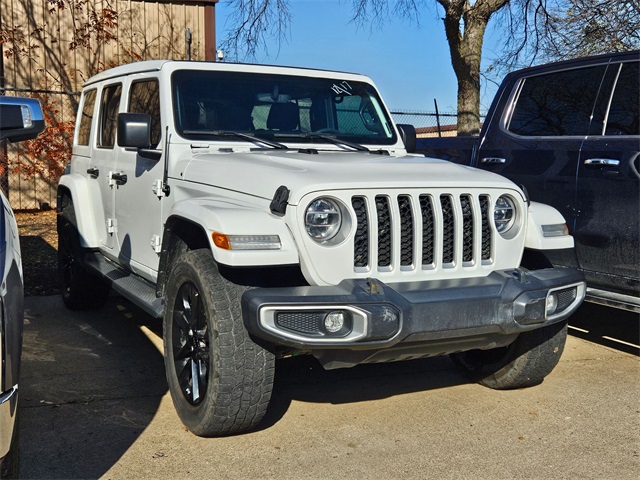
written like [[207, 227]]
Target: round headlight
[[322, 219], [504, 214]]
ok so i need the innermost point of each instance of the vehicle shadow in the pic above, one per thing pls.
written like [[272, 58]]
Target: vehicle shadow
[[611, 327], [90, 383], [304, 379]]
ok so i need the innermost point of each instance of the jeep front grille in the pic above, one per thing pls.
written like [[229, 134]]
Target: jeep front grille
[[421, 231]]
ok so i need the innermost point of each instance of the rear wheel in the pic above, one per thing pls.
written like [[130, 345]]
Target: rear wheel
[[80, 290], [220, 379], [524, 363]]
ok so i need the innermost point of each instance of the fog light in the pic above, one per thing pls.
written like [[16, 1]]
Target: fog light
[[551, 304], [334, 322]]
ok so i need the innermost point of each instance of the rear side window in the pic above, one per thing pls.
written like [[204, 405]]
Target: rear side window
[[625, 104], [109, 104], [144, 97], [86, 119], [557, 104]]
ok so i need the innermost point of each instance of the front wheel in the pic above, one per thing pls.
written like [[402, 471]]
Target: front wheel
[[524, 363], [220, 379]]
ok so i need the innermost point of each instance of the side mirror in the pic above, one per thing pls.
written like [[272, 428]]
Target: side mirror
[[134, 130], [408, 135], [20, 118]]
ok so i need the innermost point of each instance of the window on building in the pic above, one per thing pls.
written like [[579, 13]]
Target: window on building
[[144, 97], [558, 103]]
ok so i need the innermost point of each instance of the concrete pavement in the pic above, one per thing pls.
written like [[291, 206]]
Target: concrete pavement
[[94, 404]]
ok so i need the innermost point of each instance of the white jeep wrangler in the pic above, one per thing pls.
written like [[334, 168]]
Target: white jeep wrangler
[[264, 212]]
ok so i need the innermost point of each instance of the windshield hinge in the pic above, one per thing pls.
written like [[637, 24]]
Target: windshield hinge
[[279, 203]]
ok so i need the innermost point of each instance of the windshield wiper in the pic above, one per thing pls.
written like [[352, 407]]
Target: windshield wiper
[[245, 136], [328, 138]]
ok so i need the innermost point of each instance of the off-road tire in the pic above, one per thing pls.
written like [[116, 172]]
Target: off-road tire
[[80, 290], [205, 339], [524, 363]]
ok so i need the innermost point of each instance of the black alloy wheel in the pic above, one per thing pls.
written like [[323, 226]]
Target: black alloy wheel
[[190, 344]]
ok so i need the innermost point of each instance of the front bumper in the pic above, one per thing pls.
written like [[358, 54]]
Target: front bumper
[[417, 318]]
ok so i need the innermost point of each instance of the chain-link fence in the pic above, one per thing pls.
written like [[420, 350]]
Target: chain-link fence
[[429, 124], [29, 171]]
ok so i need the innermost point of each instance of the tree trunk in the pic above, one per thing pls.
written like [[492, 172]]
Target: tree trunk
[[466, 51]]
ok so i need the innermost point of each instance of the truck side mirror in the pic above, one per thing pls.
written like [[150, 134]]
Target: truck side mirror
[[134, 130], [408, 135], [20, 118]]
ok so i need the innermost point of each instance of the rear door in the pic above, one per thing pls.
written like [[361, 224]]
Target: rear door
[[103, 160], [607, 222]]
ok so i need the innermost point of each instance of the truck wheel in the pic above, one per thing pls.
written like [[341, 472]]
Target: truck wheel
[[524, 363], [220, 379], [80, 290]]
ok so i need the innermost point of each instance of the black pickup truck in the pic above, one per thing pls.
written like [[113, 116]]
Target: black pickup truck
[[569, 132]]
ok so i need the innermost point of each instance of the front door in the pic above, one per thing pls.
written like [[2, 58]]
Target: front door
[[139, 200]]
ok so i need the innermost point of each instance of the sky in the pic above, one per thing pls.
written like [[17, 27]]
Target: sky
[[409, 63]]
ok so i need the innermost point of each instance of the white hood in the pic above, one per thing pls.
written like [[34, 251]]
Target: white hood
[[260, 173]]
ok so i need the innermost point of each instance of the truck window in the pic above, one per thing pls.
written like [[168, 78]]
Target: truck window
[[557, 104], [144, 97], [623, 112], [84, 130], [109, 106]]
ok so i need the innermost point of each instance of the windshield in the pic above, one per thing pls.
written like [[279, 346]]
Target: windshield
[[285, 107]]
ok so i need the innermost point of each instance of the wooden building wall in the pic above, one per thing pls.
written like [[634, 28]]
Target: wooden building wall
[[39, 39]]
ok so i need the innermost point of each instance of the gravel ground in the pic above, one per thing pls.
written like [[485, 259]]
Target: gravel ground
[[39, 243]]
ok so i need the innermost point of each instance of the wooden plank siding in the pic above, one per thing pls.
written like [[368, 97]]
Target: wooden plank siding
[[144, 31]]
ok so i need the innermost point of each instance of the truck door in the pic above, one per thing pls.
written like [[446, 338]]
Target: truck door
[[536, 142], [607, 225], [138, 201]]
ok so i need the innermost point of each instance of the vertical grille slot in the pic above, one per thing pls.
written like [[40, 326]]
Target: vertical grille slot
[[406, 230], [384, 231], [448, 226], [467, 228], [361, 240], [486, 227], [428, 243]]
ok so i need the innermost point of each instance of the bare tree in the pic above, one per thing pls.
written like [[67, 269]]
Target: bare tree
[[544, 30], [534, 31], [253, 22]]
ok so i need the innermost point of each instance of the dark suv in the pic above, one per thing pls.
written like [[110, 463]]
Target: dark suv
[[570, 133]]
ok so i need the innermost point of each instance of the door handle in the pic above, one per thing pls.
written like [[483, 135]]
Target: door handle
[[120, 178], [493, 160], [601, 162], [93, 172]]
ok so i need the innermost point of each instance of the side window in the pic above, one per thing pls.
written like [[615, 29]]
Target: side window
[[557, 104], [109, 104], [86, 119], [144, 97], [624, 112]]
